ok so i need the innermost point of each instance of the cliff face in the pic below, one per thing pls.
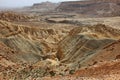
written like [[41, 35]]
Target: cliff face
[[92, 7], [44, 6]]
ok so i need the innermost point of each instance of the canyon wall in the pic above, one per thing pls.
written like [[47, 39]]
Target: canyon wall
[[92, 7]]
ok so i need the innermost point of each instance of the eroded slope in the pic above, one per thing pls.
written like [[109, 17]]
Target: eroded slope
[[29, 40], [84, 42], [12, 16]]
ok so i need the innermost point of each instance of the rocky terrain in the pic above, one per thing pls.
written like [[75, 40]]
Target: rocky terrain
[[85, 42], [25, 46], [12, 16], [53, 45]]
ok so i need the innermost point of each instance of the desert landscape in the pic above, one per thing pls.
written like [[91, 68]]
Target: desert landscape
[[71, 40]]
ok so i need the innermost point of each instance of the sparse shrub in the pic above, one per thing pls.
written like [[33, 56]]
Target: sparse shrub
[[71, 72]]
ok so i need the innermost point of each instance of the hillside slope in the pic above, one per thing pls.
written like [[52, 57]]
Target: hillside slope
[[82, 43]]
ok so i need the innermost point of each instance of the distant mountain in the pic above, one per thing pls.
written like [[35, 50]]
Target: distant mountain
[[44, 6], [92, 7]]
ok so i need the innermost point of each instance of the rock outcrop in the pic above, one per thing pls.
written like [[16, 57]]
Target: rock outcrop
[[82, 43], [109, 52], [12, 16], [32, 43]]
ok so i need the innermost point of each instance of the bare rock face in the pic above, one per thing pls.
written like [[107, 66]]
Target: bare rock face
[[31, 43], [82, 43], [92, 7], [109, 52]]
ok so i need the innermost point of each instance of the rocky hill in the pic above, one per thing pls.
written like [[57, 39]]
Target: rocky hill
[[22, 46], [100, 64], [44, 6], [83, 43], [92, 7], [28, 40], [12, 16]]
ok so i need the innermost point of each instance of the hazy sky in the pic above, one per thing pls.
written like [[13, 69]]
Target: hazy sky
[[20, 3]]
